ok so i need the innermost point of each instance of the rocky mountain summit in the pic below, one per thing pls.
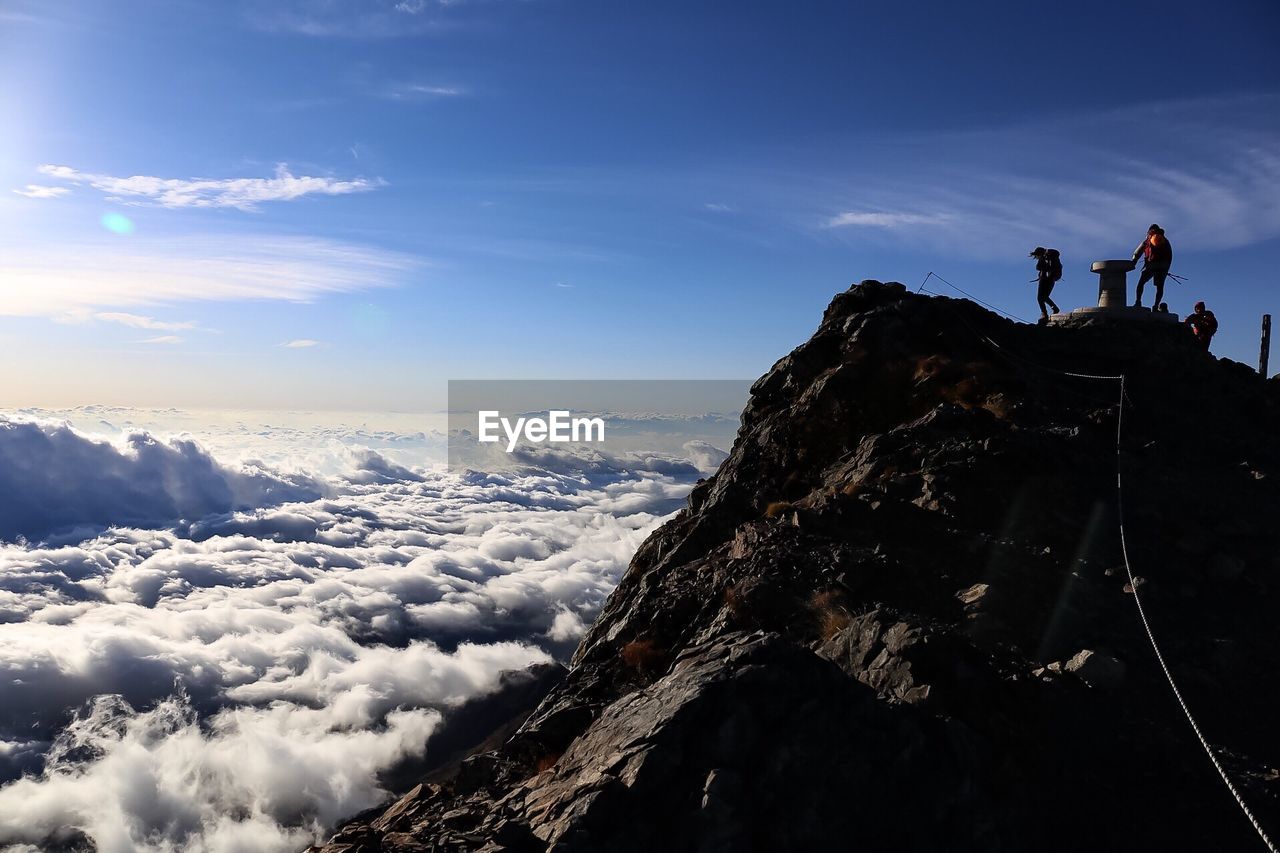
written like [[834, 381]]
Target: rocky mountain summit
[[897, 618]]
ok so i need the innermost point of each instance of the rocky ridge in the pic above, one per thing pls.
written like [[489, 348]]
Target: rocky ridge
[[897, 619]]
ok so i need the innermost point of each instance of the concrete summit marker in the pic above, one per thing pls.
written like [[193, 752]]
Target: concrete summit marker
[[1113, 298]]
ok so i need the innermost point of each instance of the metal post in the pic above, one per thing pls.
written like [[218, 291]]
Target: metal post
[[1266, 345]]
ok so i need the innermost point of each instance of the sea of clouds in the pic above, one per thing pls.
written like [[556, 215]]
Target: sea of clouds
[[222, 634]]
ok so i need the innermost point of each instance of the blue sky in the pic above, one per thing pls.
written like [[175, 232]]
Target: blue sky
[[411, 191]]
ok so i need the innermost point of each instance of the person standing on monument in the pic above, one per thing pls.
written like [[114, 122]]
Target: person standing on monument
[[1157, 257]]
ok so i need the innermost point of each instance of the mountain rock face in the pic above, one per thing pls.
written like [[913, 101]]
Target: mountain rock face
[[897, 617]]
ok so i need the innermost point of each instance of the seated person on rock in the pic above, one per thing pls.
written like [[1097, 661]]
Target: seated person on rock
[[1202, 324]]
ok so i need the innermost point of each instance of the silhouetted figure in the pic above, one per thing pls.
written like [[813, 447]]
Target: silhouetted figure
[[1202, 324], [1157, 257], [1163, 307], [1048, 271]]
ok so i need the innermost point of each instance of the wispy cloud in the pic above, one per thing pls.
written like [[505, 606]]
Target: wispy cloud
[[138, 321], [162, 339], [422, 92], [1089, 183], [240, 193], [716, 207], [300, 343], [55, 281], [881, 219], [38, 191], [351, 18], [133, 321]]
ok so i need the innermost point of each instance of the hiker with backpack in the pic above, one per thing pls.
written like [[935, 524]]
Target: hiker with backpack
[[1157, 257], [1048, 271], [1202, 324]]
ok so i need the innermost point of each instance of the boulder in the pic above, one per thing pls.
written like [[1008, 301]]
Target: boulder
[[1096, 670]]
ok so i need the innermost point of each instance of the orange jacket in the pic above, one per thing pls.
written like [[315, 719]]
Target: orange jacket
[[1155, 251]]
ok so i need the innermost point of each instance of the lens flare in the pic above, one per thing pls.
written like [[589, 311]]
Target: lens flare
[[117, 223]]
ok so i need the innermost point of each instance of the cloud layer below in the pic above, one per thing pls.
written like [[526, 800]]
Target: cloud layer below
[[242, 679], [55, 480]]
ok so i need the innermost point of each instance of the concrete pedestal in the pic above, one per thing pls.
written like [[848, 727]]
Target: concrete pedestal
[[1113, 286], [1113, 298]]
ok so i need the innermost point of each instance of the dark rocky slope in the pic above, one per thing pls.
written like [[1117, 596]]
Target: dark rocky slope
[[896, 618]]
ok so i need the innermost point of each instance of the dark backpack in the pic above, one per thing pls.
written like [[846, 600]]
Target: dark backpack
[[1055, 264]]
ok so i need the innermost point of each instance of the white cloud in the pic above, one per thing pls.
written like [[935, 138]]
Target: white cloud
[[315, 643], [138, 321], [232, 786], [715, 207], [61, 280], [53, 478], [38, 191], [249, 777], [566, 627], [423, 91], [326, 444], [161, 339], [704, 455], [239, 193], [352, 18], [300, 343], [1088, 184], [881, 219]]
